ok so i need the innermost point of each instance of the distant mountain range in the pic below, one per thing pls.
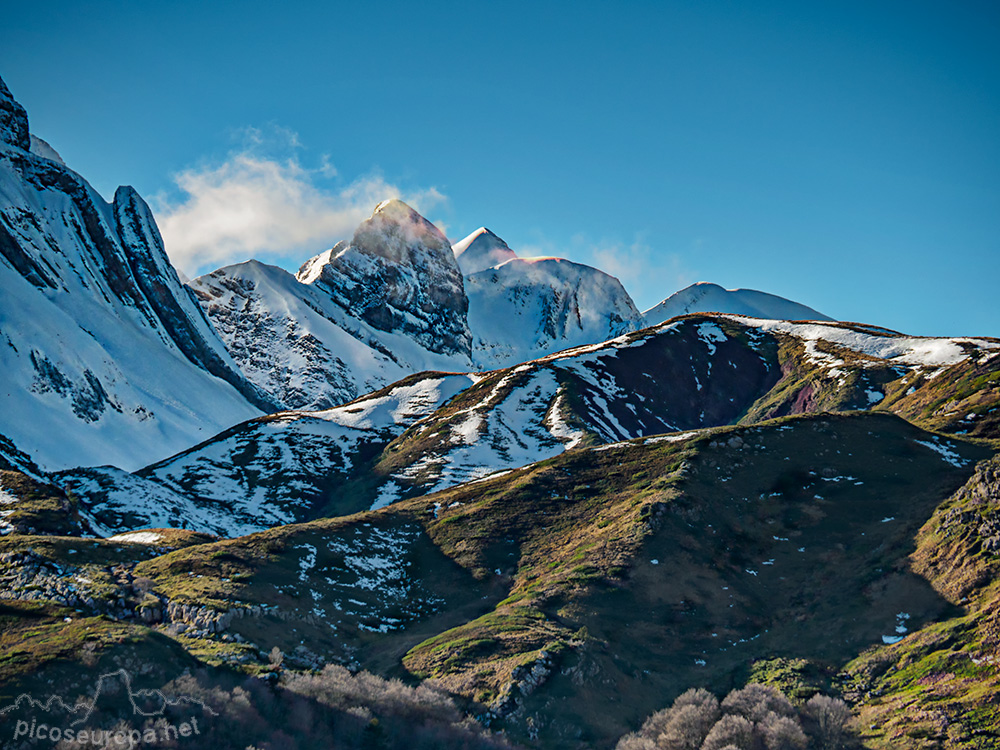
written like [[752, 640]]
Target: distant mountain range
[[101, 335], [705, 297]]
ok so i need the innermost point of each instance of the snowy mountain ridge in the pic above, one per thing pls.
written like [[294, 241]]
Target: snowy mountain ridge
[[481, 250], [526, 308], [707, 297], [686, 375], [393, 301], [99, 337]]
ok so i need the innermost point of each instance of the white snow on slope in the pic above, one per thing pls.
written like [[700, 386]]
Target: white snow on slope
[[510, 430], [707, 297], [90, 374], [945, 450], [481, 250], [251, 479], [527, 308], [295, 342], [363, 576], [137, 537], [129, 501], [912, 351]]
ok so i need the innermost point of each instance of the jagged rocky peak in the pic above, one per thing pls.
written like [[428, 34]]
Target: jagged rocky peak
[[398, 233], [13, 120], [481, 250], [398, 274]]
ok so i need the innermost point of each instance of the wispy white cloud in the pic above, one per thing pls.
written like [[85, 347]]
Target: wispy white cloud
[[649, 275], [255, 204]]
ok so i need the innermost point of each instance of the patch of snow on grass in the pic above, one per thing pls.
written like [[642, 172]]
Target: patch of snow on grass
[[674, 437], [901, 629], [466, 432], [388, 494], [947, 452], [710, 333], [137, 537], [307, 562], [906, 350], [6, 498], [559, 428]]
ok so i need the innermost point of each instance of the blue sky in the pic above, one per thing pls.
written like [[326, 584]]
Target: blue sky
[[845, 155]]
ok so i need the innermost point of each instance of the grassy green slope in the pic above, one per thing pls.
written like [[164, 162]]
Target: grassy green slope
[[940, 686], [614, 635], [570, 598]]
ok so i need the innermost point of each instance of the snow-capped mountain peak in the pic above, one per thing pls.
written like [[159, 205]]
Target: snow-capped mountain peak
[[481, 250], [98, 335], [707, 297], [398, 275], [528, 307], [398, 233]]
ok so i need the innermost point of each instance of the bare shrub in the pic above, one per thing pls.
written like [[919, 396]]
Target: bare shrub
[[688, 726], [754, 702], [697, 697], [826, 720], [635, 741], [756, 717], [730, 730], [782, 733], [656, 724]]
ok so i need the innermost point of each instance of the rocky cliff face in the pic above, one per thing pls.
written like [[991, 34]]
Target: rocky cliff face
[[107, 358], [398, 275], [298, 344], [13, 120]]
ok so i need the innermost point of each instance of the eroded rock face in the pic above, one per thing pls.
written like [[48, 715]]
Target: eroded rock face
[[107, 357], [398, 274], [173, 304], [13, 120]]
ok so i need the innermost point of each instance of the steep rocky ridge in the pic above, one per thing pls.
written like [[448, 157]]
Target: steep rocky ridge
[[98, 334], [398, 274]]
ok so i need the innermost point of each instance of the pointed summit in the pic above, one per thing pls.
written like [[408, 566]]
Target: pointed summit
[[394, 229], [481, 250], [398, 275]]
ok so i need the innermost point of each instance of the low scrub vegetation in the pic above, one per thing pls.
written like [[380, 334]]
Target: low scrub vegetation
[[756, 717]]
